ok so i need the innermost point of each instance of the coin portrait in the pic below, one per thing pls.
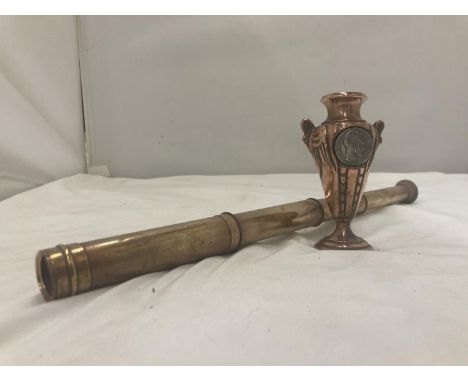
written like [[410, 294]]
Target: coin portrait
[[353, 146]]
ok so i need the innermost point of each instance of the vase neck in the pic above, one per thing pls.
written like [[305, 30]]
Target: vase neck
[[344, 106]]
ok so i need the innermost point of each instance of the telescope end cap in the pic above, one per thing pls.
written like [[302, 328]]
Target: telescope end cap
[[62, 271], [44, 275], [412, 190]]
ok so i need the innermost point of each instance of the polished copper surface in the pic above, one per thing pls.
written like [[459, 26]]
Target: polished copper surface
[[66, 270], [343, 147]]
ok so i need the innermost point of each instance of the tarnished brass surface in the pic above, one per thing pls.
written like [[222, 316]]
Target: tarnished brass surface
[[66, 270], [343, 147]]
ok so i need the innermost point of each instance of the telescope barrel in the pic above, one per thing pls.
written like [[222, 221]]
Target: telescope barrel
[[66, 270]]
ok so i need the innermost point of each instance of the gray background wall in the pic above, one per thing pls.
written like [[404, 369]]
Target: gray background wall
[[224, 95]]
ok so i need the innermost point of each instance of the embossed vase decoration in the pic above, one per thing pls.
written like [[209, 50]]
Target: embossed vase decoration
[[343, 147]]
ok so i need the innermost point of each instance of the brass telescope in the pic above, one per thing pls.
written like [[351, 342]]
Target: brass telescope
[[66, 270]]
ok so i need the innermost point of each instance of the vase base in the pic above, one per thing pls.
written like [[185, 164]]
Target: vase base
[[327, 243], [343, 238]]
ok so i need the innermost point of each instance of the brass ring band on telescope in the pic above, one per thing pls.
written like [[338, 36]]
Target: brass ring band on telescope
[[362, 208], [72, 274], [66, 270], [234, 230], [320, 206]]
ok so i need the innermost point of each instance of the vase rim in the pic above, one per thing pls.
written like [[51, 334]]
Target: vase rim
[[356, 95]]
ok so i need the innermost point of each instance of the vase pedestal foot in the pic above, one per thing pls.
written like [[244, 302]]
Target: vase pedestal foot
[[343, 238]]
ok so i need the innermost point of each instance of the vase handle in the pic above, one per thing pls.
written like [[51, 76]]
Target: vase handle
[[379, 126], [307, 127]]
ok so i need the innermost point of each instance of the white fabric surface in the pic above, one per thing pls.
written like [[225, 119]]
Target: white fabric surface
[[277, 302], [41, 121]]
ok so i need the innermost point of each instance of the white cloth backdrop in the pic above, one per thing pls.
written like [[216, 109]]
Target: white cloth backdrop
[[276, 302], [41, 123]]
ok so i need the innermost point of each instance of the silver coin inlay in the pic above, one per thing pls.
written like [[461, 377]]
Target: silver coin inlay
[[353, 146]]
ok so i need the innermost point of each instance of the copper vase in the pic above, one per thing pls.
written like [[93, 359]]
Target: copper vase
[[343, 147]]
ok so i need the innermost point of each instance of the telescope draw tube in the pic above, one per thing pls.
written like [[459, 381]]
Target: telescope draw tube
[[66, 270]]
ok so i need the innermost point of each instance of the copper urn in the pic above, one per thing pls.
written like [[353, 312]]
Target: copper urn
[[343, 147]]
